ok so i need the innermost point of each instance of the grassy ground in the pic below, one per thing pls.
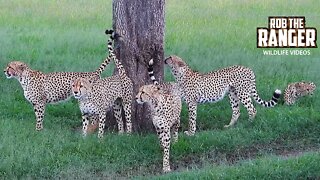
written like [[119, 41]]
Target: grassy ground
[[68, 36]]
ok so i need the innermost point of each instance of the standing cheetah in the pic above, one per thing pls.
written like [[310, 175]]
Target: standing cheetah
[[165, 104], [236, 81], [41, 88], [96, 98]]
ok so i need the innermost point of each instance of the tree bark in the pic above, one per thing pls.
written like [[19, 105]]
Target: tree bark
[[141, 25]]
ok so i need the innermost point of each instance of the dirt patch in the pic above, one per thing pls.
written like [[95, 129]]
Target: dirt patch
[[278, 148], [281, 148]]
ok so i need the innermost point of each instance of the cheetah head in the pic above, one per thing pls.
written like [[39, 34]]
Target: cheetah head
[[15, 69], [177, 65], [146, 93], [306, 88], [81, 87]]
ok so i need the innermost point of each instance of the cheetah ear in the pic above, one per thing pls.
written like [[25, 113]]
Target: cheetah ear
[[167, 60], [298, 85], [312, 84], [91, 80], [180, 64], [22, 67]]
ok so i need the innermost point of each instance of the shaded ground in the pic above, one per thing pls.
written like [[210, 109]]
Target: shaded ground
[[278, 148]]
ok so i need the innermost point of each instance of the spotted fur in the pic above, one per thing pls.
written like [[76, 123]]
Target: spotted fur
[[297, 90], [236, 81], [165, 104], [41, 88], [165, 112], [96, 98]]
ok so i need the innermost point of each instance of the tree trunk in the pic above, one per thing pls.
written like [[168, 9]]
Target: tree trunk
[[141, 24]]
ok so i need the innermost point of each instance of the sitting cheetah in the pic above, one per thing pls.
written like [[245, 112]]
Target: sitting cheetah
[[96, 98], [297, 90], [41, 88], [236, 81], [165, 105]]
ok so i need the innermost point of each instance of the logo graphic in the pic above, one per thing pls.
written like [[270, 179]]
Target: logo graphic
[[287, 32]]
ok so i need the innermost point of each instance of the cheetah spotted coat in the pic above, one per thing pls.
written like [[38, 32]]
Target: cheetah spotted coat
[[96, 98], [297, 90], [40, 88], [236, 81], [164, 100], [165, 111]]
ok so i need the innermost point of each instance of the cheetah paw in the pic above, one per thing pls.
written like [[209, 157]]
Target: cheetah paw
[[100, 136], [166, 170], [174, 141], [39, 128], [188, 133], [84, 135]]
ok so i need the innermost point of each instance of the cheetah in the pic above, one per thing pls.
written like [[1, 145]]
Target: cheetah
[[97, 97], [297, 90], [165, 105], [42, 88], [236, 81]]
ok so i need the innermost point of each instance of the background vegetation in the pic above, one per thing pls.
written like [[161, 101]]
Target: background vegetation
[[281, 143]]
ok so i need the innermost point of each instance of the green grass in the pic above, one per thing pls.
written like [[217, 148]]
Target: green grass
[[69, 36], [262, 168]]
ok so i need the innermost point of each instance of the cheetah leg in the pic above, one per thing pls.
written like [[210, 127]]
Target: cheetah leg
[[117, 113], [247, 102], [102, 124], [234, 101], [39, 112], [175, 129], [192, 109], [94, 120], [127, 110], [291, 100], [93, 124], [164, 137], [85, 123]]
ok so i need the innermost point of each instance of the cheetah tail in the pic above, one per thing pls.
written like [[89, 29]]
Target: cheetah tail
[[109, 31], [113, 34], [106, 62], [103, 65], [118, 64], [270, 103], [151, 73]]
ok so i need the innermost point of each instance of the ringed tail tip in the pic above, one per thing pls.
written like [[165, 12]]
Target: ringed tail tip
[[109, 31], [151, 62], [277, 93]]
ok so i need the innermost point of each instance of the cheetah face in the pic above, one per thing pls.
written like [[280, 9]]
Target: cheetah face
[[311, 88], [146, 92], [80, 87], [306, 88], [15, 69], [177, 65]]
